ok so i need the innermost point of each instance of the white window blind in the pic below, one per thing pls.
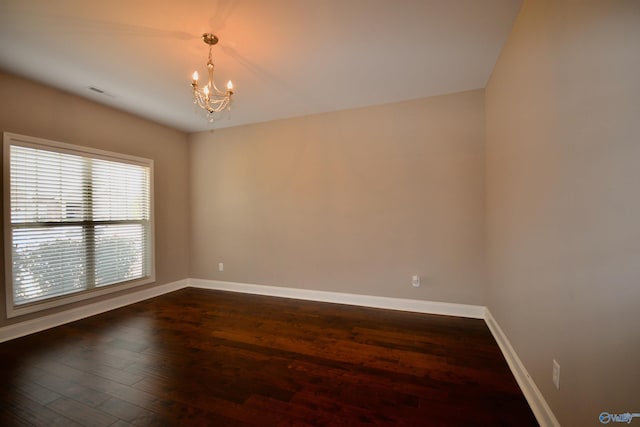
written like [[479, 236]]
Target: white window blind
[[80, 220]]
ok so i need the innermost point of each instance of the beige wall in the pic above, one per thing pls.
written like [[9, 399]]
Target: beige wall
[[354, 201], [31, 109], [563, 180]]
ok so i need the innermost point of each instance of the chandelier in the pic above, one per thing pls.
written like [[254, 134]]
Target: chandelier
[[209, 97]]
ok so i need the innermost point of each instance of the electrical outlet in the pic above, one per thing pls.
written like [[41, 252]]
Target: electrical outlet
[[220, 266], [415, 281], [556, 373]]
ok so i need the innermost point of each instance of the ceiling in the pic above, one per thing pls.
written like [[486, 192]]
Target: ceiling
[[286, 57]]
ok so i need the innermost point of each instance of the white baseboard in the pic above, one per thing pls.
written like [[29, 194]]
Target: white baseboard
[[32, 326], [419, 306], [534, 397]]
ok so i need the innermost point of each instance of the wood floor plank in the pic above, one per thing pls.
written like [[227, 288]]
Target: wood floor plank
[[197, 357], [132, 414], [20, 410], [81, 413]]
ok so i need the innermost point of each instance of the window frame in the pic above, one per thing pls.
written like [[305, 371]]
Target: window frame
[[9, 139]]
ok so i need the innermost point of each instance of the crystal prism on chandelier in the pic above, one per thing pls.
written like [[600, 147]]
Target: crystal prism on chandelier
[[209, 97]]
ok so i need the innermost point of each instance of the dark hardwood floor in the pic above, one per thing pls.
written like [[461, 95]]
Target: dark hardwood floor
[[207, 358]]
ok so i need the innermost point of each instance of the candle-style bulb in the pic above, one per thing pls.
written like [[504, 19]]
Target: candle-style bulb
[[229, 85], [195, 77]]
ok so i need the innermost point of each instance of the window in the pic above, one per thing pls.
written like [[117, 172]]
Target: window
[[78, 222]]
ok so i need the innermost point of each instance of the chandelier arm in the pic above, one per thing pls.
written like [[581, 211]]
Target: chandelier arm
[[215, 88]]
